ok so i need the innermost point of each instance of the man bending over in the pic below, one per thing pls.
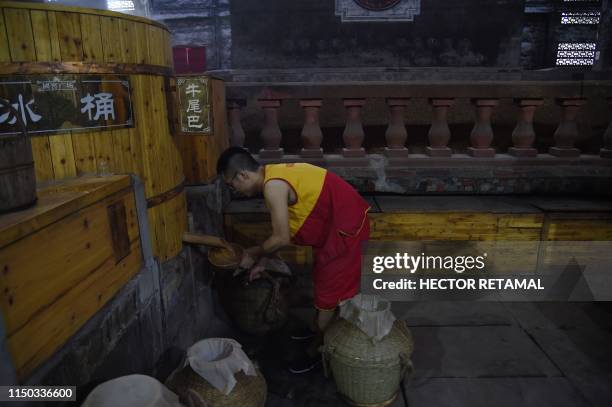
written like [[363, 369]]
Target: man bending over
[[308, 206]]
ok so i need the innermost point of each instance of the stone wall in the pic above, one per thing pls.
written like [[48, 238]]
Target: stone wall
[[299, 34], [256, 35], [198, 23]]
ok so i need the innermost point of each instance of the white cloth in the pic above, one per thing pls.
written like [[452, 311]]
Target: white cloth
[[216, 360], [369, 313], [132, 391]]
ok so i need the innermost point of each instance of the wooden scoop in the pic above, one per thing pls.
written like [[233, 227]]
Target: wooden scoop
[[223, 253]]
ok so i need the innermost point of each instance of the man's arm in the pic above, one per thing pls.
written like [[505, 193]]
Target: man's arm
[[276, 194]]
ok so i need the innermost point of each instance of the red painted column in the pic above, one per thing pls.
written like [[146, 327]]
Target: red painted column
[[567, 131], [439, 132], [396, 134], [482, 133], [311, 132], [523, 134], [606, 151], [353, 131], [271, 135], [236, 136]]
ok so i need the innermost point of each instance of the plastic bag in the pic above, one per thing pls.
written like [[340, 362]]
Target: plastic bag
[[369, 313]]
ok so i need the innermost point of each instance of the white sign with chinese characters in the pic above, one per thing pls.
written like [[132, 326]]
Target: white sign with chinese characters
[[194, 105]]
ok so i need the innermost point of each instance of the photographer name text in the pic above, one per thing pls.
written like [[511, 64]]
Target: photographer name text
[[436, 284]]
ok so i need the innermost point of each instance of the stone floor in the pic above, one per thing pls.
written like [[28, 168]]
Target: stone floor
[[474, 354]]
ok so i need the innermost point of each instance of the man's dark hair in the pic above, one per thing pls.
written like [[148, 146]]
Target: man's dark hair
[[236, 159]]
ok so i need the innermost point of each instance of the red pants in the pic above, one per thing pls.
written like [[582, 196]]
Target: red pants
[[337, 268]]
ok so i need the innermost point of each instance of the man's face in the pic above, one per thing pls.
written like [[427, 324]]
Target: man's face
[[242, 182]]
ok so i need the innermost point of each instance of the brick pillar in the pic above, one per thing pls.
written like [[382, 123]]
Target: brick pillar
[[236, 136], [396, 134], [567, 132], [523, 134], [353, 131], [311, 132], [606, 151], [482, 133], [439, 133], [271, 135]]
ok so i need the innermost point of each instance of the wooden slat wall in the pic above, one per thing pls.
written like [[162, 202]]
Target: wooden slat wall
[[70, 39], [220, 136], [253, 228], [250, 229], [455, 226], [5, 55], [42, 32], [23, 47], [45, 299], [19, 35], [595, 226]]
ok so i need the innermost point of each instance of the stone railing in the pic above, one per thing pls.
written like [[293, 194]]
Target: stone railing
[[527, 97]]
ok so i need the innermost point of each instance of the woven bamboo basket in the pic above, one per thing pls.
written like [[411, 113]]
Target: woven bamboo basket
[[367, 373], [194, 391], [258, 307]]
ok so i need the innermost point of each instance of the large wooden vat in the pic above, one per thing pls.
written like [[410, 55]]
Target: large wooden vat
[[45, 39], [62, 260]]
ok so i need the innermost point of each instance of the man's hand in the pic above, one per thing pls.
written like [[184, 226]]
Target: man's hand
[[250, 257], [257, 269]]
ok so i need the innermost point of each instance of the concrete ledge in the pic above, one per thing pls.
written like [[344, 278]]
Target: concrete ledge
[[295, 86], [587, 175]]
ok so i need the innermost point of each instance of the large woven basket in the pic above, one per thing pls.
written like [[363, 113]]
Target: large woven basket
[[194, 391], [257, 308], [367, 373]]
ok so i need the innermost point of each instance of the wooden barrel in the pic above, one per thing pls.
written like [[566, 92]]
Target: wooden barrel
[[53, 39], [17, 179]]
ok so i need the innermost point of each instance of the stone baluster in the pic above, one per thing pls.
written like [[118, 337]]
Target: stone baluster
[[567, 131], [311, 132], [439, 132], [482, 133], [606, 151], [353, 131], [271, 135], [396, 134], [236, 136], [523, 134]]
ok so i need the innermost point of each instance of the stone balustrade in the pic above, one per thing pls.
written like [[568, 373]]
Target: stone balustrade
[[569, 98]]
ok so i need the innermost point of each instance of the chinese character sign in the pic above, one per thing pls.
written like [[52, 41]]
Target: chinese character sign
[[58, 103], [194, 106]]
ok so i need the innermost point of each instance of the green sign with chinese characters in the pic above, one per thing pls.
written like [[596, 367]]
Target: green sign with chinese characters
[[58, 103], [193, 104]]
